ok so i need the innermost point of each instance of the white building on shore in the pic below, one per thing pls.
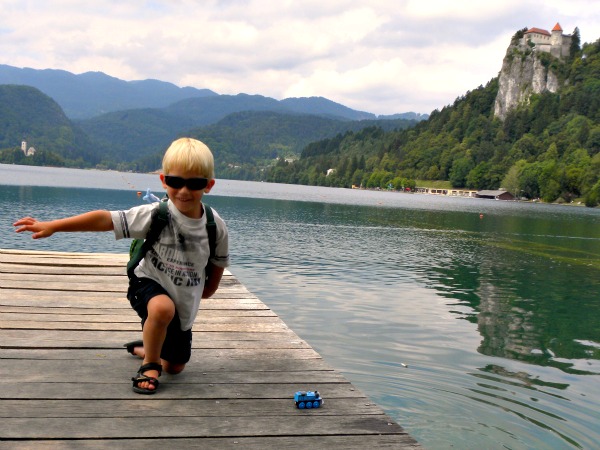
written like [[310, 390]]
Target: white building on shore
[[27, 151]]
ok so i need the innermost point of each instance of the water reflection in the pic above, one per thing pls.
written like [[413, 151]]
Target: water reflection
[[525, 304]]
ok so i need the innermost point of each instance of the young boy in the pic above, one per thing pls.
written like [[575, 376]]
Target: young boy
[[169, 282]]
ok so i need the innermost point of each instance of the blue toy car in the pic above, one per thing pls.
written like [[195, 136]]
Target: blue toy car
[[307, 399]]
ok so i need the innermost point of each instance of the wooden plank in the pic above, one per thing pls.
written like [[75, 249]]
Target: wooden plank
[[20, 269], [205, 314], [64, 261], [132, 323], [203, 360], [121, 370], [235, 443], [69, 277], [196, 427], [113, 339], [257, 345], [169, 389], [53, 254], [132, 317], [58, 299], [117, 286], [194, 407], [76, 283], [247, 327]]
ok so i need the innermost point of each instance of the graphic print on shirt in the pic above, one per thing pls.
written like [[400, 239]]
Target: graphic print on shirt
[[173, 258]]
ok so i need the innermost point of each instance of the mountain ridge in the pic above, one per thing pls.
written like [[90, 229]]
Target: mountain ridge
[[135, 139], [92, 94]]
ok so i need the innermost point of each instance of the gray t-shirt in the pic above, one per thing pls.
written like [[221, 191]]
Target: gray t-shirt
[[177, 260]]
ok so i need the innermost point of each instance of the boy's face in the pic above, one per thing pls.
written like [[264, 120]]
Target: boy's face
[[186, 200]]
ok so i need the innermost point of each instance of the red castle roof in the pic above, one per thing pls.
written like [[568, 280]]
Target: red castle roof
[[557, 27], [538, 31]]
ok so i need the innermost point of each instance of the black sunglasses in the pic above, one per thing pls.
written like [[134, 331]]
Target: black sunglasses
[[193, 184]]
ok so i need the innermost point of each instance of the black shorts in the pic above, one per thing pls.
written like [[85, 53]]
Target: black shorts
[[177, 348]]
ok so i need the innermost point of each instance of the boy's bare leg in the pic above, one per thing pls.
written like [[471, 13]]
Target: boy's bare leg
[[161, 311], [160, 315]]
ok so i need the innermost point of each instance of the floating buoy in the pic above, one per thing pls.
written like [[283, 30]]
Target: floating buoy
[[139, 193]]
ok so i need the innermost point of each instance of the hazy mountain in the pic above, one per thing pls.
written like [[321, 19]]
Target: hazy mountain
[[93, 93], [208, 110], [321, 106]]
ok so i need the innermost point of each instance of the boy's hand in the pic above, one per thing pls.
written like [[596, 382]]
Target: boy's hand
[[214, 273], [39, 229], [99, 220]]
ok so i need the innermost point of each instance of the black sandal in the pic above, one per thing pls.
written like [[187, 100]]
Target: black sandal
[[141, 378], [133, 344]]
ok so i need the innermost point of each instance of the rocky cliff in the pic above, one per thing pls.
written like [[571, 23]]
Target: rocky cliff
[[522, 74]]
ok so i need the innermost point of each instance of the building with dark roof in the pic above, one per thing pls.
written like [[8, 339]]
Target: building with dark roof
[[495, 195]]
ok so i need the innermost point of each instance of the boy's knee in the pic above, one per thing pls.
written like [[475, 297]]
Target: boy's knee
[[173, 369], [161, 308]]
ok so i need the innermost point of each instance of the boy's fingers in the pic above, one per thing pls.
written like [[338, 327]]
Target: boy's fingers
[[29, 224], [25, 221], [23, 228]]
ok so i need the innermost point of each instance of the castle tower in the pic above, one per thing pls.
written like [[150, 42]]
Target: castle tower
[[556, 38], [24, 146]]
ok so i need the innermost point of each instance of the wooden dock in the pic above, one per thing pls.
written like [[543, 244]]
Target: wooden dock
[[65, 376]]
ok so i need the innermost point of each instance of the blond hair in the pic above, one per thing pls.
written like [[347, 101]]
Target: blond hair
[[189, 155]]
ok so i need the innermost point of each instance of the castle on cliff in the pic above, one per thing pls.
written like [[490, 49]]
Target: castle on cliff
[[556, 43], [521, 77]]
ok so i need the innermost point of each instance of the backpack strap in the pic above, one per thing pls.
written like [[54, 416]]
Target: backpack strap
[[211, 229], [160, 218]]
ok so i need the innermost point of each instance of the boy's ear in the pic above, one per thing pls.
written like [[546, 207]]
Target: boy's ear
[[162, 180], [210, 185]]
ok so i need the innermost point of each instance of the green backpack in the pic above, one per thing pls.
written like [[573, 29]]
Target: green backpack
[[160, 218]]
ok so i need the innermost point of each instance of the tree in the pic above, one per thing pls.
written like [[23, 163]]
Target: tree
[[459, 171], [529, 180], [511, 181], [575, 43], [357, 177], [548, 180], [592, 198], [479, 177], [593, 142]]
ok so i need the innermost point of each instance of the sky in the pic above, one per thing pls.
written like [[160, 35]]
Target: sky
[[379, 56]]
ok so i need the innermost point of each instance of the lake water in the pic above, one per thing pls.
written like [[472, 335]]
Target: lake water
[[473, 323]]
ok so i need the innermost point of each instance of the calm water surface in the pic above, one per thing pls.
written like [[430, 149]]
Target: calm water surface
[[471, 332]]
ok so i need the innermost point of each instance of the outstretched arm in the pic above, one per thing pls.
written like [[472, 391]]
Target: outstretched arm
[[91, 221]]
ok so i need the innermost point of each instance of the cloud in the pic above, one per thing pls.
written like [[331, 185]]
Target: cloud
[[381, 56]]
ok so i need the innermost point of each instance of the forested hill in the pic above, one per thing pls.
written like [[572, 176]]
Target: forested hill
[[244, 143], [26, 113], [548, 147]]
